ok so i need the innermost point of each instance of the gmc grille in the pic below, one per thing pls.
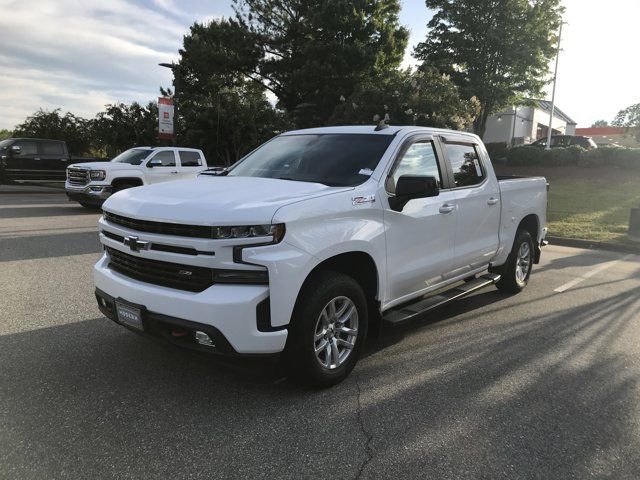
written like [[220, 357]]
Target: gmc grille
[[178, 229], [78, 176], [166, 274]]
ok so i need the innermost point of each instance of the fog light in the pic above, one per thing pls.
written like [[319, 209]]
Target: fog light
[[204, 339]]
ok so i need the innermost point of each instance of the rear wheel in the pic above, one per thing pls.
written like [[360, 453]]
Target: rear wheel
[[515, 273], [328, 328]]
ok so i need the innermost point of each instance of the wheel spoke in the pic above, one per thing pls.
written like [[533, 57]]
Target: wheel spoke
[[349, 331], [345, 305], [327, 355], [331, 309], [318, 336], [321, 346], [344, 343], [335, 353], [347, 315]]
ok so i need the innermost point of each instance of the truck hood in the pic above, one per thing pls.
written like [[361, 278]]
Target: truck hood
[[210, 200], [106, 166]]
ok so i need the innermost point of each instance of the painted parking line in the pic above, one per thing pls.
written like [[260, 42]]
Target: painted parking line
[[591, 273]]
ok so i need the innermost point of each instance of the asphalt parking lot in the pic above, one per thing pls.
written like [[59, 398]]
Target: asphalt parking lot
[[545, 384]]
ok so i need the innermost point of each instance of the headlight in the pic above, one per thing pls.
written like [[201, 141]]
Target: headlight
[[251, 231], [98, 174]]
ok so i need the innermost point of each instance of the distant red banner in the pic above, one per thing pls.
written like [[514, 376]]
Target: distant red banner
[[165, 117]]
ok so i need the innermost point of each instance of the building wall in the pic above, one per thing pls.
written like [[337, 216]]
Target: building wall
[[501, 128]]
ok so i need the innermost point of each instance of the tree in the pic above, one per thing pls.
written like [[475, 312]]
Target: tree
[[628, 117], [52, 125], [4, 133], [307, 53], [600, 124], [495, 50], [120, 127], [424, 97]]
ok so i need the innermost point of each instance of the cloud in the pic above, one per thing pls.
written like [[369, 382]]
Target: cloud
[[80, 55]]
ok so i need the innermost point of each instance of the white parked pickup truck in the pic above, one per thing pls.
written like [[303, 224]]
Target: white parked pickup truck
[[314, 239], [91, 184]]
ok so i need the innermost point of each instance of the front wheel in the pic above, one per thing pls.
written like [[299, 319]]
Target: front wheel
[[328, 329], [515, 273]]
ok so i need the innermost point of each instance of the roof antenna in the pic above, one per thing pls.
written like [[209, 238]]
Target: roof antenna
[[382, 122]]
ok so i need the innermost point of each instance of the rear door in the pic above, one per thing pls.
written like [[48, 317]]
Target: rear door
[[191, 163], [53, 159], [477, 199], [166, 170], [420, 237]]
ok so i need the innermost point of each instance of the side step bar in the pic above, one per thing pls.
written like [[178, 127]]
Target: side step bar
[[408, 311]]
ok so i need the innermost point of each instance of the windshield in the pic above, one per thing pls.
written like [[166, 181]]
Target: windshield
[[135, 156], [331, 159]]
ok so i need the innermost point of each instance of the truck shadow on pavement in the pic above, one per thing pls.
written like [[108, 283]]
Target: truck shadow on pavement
[[49, 246], [548, 396]]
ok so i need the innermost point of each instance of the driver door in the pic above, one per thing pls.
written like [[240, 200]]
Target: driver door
[[420, 237], [164, 167]]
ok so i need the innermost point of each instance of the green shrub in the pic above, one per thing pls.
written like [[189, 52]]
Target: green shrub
[[498, 150], [592, 158], [558, 157], [525, 155], [624, 157]]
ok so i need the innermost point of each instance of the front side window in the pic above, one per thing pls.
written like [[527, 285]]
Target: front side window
[[465, 163], [27, 148], [330, 159], [190, 159], [419, 159], [135, 156], [167, 158]]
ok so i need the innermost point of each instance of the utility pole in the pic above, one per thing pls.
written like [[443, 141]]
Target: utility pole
[[553, 95]]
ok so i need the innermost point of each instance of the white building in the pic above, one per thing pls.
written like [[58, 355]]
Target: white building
[[526, 124]]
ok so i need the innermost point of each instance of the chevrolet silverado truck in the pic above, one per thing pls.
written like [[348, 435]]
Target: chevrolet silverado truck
[[90, 184], [313, 240]]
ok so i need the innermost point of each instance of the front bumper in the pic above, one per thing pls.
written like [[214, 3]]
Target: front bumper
[[93, 194], [227, 313]]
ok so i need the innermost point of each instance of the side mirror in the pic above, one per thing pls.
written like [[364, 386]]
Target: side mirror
[[14, 150], [154, 162], [410, 187]]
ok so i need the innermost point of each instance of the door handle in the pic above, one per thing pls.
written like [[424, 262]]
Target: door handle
[[493, 201], [36, 158], [174, 172], [447, 208]]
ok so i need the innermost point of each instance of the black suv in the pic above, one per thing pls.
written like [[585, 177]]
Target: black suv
[[566, 141]]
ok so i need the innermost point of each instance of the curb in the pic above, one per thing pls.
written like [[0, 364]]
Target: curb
[[593, 244]]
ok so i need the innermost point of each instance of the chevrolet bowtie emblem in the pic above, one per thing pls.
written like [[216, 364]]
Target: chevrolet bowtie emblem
[[135, 244]]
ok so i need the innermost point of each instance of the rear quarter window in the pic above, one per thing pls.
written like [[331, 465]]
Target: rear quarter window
[[190, 159], [465, 163]]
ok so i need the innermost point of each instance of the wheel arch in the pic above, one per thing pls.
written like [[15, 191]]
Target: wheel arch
[[128, 180], [531, 224]]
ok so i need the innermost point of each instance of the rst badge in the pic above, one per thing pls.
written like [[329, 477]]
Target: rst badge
[[361, 200]]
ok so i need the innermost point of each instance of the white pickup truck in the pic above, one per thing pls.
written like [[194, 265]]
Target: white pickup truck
[[90, 184], [314, 239]]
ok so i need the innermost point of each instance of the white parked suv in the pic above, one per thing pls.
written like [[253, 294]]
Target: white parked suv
[[314, 239], [91, 184]]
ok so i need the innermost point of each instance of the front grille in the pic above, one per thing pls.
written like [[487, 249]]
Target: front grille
[[178, 229], [78, 176], [166, 274], [160, 247]]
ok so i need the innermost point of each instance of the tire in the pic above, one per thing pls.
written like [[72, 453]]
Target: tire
[[312, 326], [515, 273], [124, 186]]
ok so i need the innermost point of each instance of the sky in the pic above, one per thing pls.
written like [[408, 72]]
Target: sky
[[79, 55]]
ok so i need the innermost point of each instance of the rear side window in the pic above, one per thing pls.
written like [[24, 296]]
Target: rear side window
[[465, 163], [190, 159], [27, 148], [167, 158], [52, 148], [419, 159]]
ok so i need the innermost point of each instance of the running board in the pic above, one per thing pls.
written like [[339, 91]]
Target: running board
[[408, 311]]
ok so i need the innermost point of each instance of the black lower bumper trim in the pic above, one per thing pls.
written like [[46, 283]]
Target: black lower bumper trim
[[162, 326], [85, 198]]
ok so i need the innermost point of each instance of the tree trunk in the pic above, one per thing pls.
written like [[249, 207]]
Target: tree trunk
[[480, 123]]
